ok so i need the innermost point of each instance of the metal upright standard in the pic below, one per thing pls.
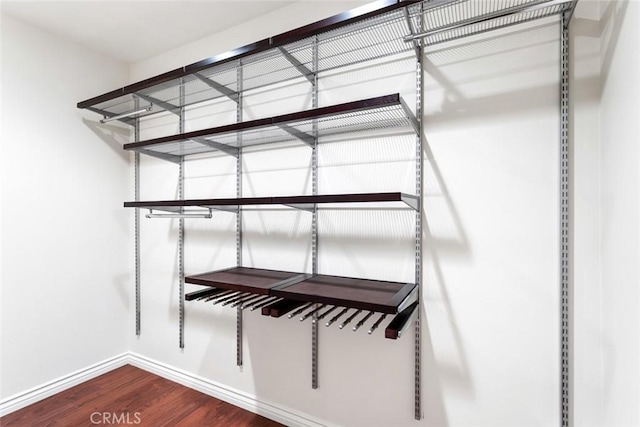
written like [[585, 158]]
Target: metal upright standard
[[385, 29], [239, 83], [564, 220], [136, 181], [181, 125], [314, 217], [418, 233]]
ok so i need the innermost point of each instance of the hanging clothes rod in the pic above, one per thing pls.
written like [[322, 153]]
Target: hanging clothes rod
[[206, 215], [127, 114]]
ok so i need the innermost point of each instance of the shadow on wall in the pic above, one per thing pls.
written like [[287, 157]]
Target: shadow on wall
[[609, 29], [114, 136], [584, 91], [462, 102], [456, 373], [458, 107]]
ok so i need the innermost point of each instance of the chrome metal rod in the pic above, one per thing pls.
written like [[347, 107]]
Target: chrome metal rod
[[204, 297], [230, 296], [349, 319], [204, 215], [216, 296], [127, 114], [311, 313], [257, 301], [323, 315], [246, 299], [300, 310], [267, 302], [362, 321], [336, 317], [232, 300], [375, 325]]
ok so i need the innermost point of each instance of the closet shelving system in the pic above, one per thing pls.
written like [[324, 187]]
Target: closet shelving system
[[381, 29]]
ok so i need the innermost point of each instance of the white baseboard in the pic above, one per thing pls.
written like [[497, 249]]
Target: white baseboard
[[50, 388], [286, 416], [281, 414]]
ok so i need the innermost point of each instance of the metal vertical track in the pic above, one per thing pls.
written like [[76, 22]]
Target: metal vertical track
[[136, 192], [418, 234], [314, 219], [239, 336], [181, 223], [564, 221], [239, 213]]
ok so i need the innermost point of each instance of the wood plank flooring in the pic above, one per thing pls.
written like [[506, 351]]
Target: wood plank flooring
[[131, 396]]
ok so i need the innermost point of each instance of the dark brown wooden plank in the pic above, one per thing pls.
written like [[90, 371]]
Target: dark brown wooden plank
[[284, 200], [200, 202], [339, 198], [245, 279], [364, 294], [131, 394], [374, 295], [399, 322], [280, 308]]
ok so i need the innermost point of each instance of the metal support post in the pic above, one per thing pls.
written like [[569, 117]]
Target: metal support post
[[136, 179], [314, 219], [239, 212], [564, 221], [181, 222], [418, 231]]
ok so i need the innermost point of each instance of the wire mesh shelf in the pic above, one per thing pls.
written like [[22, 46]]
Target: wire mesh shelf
[[373, 37], [345, 40], [463, 18], [384, 112]]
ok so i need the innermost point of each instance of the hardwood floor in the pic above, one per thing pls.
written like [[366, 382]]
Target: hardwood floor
[[131, 396]]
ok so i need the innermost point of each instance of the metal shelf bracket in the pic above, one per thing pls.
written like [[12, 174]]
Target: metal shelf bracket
[[231, 94], [308, 74], [162, 104], [232, 151], [304, 137]]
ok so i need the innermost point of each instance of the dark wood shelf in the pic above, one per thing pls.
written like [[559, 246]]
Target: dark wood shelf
[[373, 31], [244, 279], [302, 202], [363, 294], [383, 112]]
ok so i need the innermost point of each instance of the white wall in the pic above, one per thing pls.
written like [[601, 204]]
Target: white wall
[[490, 352], [620, 212], [65, 276], [296, 15]]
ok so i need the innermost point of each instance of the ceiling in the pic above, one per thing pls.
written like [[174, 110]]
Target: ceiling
[[134, 30]]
